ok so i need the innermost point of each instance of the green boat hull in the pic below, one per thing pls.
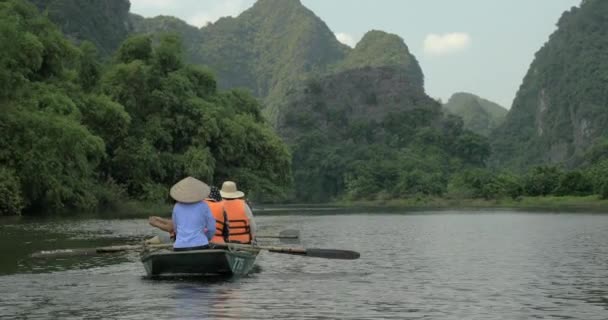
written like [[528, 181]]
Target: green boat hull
[[198, 262]]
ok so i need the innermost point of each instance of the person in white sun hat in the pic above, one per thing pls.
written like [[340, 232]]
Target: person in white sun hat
[[242, 227], [192, 220]]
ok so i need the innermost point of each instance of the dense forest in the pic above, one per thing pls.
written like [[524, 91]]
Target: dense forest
[[101, 111], [82, 135]]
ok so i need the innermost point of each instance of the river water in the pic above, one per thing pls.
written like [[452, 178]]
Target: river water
[[416, 265]]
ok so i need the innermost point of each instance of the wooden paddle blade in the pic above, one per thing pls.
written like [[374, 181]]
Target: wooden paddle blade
[[332, 254]]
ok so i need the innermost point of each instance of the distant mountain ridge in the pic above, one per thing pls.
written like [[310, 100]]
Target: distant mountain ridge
[[269, 48], [276, 44], [479, 115]]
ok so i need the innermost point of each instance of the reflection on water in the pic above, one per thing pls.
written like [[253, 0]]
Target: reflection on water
[[443, 265]]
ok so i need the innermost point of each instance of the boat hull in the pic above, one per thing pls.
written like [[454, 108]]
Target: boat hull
[[198, 262]]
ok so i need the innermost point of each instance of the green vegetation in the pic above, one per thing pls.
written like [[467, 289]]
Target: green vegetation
[[352, 138], [79, 135], [479, 115], [105, 23], [106, 124], [560, 109], [543, 187]]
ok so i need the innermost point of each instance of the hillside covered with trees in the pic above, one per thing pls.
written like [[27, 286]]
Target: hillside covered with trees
[[560, 112], [368, 130], [100, 111], [82, 135]]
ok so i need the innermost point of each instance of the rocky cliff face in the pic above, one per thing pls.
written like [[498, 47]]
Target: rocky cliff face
[[376, 78], [561, 108], [363, 95], [104, 22], [381, 49]]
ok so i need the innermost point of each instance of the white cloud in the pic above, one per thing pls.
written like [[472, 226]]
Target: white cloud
[[347, 39], [224, 9], [441, 44]]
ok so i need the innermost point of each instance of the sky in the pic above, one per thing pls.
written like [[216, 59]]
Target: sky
[[479, 46]]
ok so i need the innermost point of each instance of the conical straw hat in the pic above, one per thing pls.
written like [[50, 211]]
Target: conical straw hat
[[229, 190], [189, 190]]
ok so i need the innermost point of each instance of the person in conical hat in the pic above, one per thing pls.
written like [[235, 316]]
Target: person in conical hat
[[241, 224], [191, 219]]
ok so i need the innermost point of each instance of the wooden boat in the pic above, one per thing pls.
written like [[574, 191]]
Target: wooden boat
[[217, 261]]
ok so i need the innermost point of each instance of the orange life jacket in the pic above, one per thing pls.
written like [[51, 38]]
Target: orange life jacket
[[238, 222], [217, 210]]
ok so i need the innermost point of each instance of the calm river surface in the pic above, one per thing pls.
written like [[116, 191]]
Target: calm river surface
[[417, 265]]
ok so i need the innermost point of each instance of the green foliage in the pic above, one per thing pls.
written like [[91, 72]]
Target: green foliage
[[89, 69], [55, 158], [574, 183], [604, 190], [135, 48], [11, 199], [542, 181], [45, 146], [181, 125], [597, 175], [168, 54], [77, 136], [482, 183], [32, 49]]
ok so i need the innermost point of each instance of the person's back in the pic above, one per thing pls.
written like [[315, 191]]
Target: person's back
[[240, 221], [192, 220], [193, 225], [242, 226]]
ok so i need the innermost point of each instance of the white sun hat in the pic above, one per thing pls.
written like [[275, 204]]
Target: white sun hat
[[229, 191]]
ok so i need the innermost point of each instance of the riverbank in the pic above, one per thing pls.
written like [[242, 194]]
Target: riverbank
[[564, 203], [136, 209]]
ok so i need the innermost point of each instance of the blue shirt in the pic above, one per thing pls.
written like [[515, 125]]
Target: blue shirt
[[194, 224]]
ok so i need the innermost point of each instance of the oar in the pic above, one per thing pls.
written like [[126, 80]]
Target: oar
[[91, 251], [286, 236], [308, 252]]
